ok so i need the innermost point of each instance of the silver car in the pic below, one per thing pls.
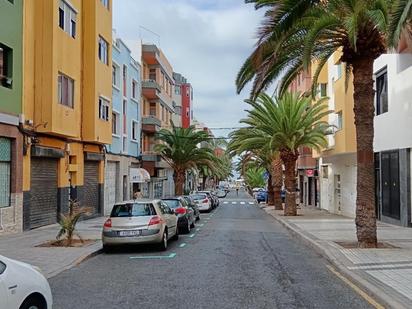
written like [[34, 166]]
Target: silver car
[[140, 222]]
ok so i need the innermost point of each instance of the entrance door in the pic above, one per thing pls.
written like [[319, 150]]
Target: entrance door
[[390, 184], [310, 190], [110, 186], [338, 197], [43, 201]]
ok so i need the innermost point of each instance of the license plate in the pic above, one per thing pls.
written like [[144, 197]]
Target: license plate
[[129, 233]]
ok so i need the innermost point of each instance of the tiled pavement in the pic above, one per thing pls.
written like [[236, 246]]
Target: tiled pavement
[[385, 273], [23, 247]]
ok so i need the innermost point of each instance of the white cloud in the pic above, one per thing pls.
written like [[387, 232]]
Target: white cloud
[[205, 40]]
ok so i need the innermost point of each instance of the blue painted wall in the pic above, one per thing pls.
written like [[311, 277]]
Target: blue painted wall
[[122, 57]]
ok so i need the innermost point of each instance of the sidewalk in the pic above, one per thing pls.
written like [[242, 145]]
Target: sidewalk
[[54, 260], [385, 274]]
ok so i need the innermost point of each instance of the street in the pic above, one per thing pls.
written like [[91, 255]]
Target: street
[[238, 257]]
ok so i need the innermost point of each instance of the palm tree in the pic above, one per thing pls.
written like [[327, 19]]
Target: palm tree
[[294, 33], [291, 121], [179, 148], [244, 140]]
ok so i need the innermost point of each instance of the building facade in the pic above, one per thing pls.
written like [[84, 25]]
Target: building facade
[[157, 112], [393, 137], [66, 106], [122, 154], [11, 139], [337, 163]]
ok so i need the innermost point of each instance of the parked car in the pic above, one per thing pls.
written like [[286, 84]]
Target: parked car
[[185, 215], [261, 196], [140, 222], [202, 201], [214, 200], [23, 286], [190, 201]]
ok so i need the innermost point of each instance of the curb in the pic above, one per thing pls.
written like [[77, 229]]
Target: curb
[[375, 292], [98, 250]]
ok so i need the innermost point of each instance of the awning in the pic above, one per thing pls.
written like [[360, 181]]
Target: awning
[[139, 175]]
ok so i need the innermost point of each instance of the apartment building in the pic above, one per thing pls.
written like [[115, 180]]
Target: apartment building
[[393, 136], [122, 154], [307, 166], [157, 111], [182, 101], [67, 106], [337, 163], [11, 140]]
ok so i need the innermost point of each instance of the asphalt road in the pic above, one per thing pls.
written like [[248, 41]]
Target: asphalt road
[[240, 258]]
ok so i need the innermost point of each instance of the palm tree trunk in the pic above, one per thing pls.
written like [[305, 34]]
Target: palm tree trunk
[[180, 177], [271, 196], [365, 187], [277, 182], [289, 160]]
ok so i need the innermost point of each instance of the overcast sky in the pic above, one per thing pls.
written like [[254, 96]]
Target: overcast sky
[[205, 40]]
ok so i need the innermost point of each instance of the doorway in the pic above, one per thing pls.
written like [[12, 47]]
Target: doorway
[[338, 196], [390, 184]]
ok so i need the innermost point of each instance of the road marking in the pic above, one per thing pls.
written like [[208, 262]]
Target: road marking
[[369, 299], [198, 230], [170, 256], [182, 245], [242, 203], [251, 203], [225, 202], [233, 203], [192, 235], [201, 224]]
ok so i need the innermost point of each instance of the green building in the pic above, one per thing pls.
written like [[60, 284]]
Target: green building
[[11, 141]]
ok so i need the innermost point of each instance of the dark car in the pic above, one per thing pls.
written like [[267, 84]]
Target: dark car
[[192, 204], [262, 196], [185, 214]]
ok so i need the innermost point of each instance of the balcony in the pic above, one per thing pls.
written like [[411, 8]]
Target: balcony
[[151, 89], [150, 124], [150, 54]]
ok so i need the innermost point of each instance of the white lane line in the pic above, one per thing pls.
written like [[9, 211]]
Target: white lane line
[[242, 203], [233, 203], [251, 203], [225, 202]]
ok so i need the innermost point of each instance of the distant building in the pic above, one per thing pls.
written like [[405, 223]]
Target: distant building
[[122, 154], [183, 101]]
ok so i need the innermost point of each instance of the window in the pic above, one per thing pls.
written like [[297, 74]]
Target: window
[[115, 75], [105, 3], [339, 122], [177, 90], [134, 130], [325, 171], [65, 90], [152, 109], [67, 18], [6, 66], [115, 123], [187, 92], [152, 74], [339, 70], [103, 50], [5, 178], [104, 109], [134, 89], [124, 80], [382, 92], [323, 90]]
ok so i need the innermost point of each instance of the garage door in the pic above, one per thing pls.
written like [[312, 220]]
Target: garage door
[[110, 191], [43, 202], [91, 186]]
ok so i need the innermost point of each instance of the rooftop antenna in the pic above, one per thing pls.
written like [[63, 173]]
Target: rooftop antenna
[[144, 29]]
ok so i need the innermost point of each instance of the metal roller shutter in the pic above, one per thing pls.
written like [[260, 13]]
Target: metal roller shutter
[[43, 202], [91, 186]]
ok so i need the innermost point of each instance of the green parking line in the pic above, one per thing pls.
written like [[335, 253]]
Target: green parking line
[[192, 235], [198, 230], [202, 224], [182, 245], [170, 256]]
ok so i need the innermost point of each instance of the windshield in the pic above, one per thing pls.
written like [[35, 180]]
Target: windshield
[[2, 267], [198, 197], [172, 203], [133, 210]]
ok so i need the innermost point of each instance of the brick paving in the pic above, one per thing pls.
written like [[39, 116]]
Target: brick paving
[[51, 261], [385, 273]]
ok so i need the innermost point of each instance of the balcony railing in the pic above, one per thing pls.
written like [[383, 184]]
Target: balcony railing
[[150, 83]]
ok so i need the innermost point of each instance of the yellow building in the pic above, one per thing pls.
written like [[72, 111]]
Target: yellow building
[[337, 163], [157, 111], [66, 105]]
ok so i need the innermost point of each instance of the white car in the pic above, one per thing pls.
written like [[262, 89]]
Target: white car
[[22, 286], [202, 201]]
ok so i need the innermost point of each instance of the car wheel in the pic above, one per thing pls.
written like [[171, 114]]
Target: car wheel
[[193, 223], [34, 302], [198, 218], [107, 248], [176, 236], [163, 243]]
